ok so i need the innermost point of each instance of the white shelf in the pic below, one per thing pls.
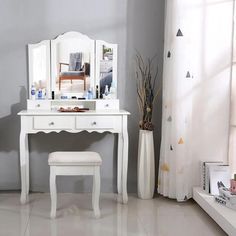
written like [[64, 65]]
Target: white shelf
[[223, 216], [92, 104]]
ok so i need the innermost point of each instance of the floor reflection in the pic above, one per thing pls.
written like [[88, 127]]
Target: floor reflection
[[75, 217]]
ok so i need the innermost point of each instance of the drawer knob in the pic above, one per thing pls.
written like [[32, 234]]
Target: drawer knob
[[51, 123], [94, 123], [107, 105], [38, 105]]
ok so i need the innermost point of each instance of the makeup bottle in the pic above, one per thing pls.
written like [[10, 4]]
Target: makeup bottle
[[33, 92], [90, 93], [97, 92], [40, 94], [101, 95], [53, 95]]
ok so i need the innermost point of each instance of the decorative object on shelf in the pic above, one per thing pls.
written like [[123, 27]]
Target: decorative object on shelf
[[225, 196], [233, 185], [74, 109], [147, 90]]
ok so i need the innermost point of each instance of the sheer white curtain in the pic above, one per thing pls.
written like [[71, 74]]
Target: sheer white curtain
[[196, 91], [232, 144]]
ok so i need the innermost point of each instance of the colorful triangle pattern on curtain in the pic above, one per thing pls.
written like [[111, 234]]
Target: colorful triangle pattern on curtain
[[181, 141], [190, 75], [169, 119], [179, 33], [165, 167]]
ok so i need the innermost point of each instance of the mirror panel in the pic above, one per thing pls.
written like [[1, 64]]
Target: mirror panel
[[39, 66], [67, 65], [106, 67], [72, 64]]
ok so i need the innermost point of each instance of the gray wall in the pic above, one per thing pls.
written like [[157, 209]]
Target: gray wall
[[145, 34], [132, 24]]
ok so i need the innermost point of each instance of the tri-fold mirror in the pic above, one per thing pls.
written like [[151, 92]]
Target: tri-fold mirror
[[72, 64]]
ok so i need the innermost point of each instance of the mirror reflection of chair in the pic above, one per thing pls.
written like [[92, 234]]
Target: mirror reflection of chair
[[75, 69]]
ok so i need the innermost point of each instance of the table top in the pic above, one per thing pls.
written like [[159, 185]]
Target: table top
[[58, 113]]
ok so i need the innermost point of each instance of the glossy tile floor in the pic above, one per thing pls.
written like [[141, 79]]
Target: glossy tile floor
[[157, 217]]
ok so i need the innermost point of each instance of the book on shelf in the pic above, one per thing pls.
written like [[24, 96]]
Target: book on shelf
[[204, 173], [218, 173], [226, 194]]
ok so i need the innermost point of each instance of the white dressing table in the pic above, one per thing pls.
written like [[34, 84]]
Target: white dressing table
[[114, 121], [75, 50]]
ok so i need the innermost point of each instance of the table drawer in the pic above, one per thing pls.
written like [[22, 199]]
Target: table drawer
[[53, 122], [38, 105], [109, 104], [98, 122]]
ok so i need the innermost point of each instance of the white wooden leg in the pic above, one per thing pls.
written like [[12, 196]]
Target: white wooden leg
[[53, 192], [96, 191], [119, 163], [27, 163], [125, 161], [23, 168]]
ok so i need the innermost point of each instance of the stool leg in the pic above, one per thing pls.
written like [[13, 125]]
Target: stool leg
[[53, 192], [96, 191]]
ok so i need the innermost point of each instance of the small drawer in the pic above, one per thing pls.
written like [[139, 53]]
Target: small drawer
[[109, 104], [97, 122], [54, 122], [38, 105]]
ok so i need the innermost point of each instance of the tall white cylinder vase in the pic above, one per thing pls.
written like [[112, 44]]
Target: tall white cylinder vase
[[146, 165]]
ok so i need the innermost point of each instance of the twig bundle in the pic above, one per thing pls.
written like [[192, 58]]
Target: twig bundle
[[147, 90]]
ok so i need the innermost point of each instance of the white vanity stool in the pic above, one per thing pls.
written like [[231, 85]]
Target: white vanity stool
[[75, 163]]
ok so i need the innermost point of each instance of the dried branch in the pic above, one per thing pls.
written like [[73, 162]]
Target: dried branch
[[146, 78]]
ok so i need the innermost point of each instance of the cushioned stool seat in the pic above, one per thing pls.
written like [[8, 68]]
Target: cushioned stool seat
[[74, 158], [75, 163]]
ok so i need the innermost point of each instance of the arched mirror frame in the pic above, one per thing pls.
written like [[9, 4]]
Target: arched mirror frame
[[89, 47], [44, 60], [51, 58], [114, 47]]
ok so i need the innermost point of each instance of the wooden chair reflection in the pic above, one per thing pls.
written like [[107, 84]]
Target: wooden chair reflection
[[74, 75]]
